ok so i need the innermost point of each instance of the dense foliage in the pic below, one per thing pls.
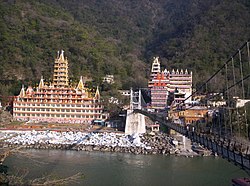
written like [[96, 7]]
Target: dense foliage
[[117, 37]]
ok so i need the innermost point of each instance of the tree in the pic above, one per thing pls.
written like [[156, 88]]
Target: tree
[[7, 179]]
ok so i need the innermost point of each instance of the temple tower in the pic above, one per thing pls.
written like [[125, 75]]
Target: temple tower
[[60, 77], [156, 68], [159, 93], [164, 84]]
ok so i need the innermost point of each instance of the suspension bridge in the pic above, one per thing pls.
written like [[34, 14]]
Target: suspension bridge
[[228, 134]]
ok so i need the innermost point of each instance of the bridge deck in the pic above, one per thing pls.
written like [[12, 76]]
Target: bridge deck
[[222, 148]]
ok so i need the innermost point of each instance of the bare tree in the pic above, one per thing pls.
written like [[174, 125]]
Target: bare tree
[[20, 176]]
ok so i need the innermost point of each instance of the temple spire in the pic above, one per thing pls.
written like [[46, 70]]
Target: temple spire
[[80, 85], [22, 92], [60, 77], [155, 69], [41, 83], [97, 93], [62, 55], [156, 66]]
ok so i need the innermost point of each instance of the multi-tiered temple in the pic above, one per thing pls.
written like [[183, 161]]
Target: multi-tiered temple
[[58, 102], [168, 86]]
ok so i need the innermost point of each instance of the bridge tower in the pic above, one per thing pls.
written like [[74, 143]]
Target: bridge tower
[[135, 99], [135, 122]]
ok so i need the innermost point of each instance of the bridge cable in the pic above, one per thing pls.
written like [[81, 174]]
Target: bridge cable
[[220, 69], [234, 80], [223, 92], [228, 102], [211, 77], [230, 87], [238, 82], [226, 74], [248, 56], [227, 97], [241, 74], [248, 93], [243, 91], [234, 75], [248, 53], [230, 121]]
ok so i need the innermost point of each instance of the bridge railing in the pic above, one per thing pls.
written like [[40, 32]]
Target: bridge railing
[[233, 151]]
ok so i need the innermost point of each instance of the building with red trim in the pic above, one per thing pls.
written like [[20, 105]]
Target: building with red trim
[[165, 83], [58, 102], [159, 92]]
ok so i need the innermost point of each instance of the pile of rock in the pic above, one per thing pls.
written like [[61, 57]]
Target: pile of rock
[[160, 143], [111, 142]]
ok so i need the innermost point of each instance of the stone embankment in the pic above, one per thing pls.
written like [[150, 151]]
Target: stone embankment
[[104, 142]]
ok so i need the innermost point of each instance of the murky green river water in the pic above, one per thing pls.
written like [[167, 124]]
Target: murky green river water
[[126, 169]]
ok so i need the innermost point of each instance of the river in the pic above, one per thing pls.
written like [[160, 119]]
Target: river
[[125, 169]]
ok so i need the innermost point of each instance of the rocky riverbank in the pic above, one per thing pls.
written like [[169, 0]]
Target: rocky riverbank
[[105, 142]]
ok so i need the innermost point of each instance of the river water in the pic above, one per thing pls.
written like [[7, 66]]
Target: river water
[[125, 169]]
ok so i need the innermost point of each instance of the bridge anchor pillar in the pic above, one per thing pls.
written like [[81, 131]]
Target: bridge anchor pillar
[[135, 123]]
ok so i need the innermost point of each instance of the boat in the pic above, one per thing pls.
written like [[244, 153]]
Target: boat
[[241, 182]]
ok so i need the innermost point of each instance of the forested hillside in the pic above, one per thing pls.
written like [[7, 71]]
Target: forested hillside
[[117, 37]]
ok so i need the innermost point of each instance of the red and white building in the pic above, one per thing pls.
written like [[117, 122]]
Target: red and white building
[[164, 83], [159, 92], [58, 102]]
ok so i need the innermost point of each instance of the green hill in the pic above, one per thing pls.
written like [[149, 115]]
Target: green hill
[[117, 37]]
